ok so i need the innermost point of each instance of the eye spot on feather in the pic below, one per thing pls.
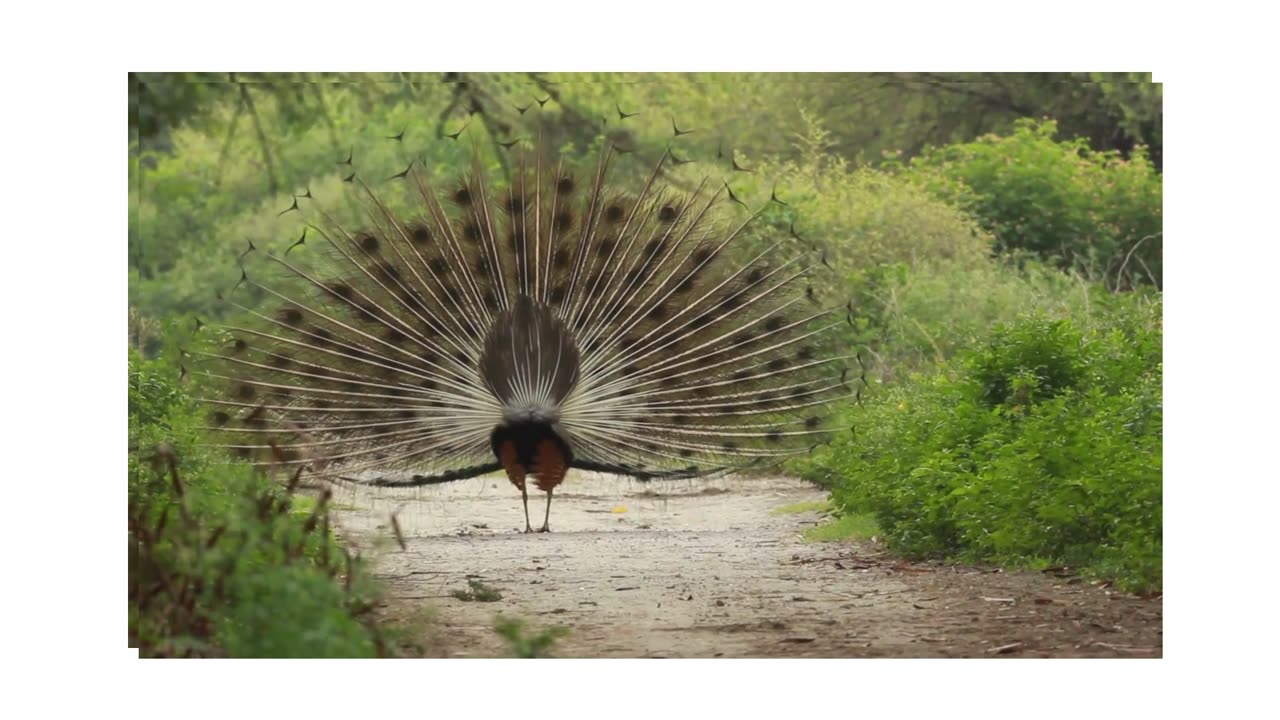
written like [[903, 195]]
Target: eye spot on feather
[[654, 247], [219, 418], [291, 316], [558, 294], [658, 312], [462, 196], [667, 214], [774, 436], [368, 243], [614, 213], [729, 446], [566, 185], [255, 419], [563, 220], [471, 231], [516, 204], [389, 273], [341, 290], [281, 361], [812, 422], [686, 452], [605, 247], [394, 336], [755, 275], [700, 254], [774, 323], [518, 238], [239, 345], [420, 235], [244, 452], [740, 375], [688, 283], [560, 258], [321, 337], [731, 302], [245, 391], [805, 353], [776, 365]]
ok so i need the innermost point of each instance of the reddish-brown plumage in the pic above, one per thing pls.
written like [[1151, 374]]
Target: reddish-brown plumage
[[510, 460], [549, 465]]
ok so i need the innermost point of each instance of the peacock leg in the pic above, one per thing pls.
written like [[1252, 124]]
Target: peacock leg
[[524, 495], [546, 521]]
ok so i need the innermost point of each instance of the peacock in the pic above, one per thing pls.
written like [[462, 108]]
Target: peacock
[[529, 321]]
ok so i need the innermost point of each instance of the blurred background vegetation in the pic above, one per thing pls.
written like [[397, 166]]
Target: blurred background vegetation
[[998, 237]]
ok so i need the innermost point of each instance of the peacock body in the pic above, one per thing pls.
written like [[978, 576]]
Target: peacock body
[[530, 325]]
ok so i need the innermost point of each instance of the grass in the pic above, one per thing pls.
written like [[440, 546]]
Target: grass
[[526, 642], [478, 592], [818, 506], [847, 527]]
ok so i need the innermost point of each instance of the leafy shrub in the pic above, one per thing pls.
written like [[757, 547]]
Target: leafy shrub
[[1092, 210], [915, 317], [1042, 446], [222, 560], [856, 218]]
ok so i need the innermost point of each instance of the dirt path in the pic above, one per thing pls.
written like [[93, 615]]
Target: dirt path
[[705, 569]]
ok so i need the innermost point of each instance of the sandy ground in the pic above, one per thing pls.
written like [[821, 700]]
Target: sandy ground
[[706, 569]]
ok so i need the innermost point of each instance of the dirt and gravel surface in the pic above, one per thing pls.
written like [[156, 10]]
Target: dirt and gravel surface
[[709, 569]]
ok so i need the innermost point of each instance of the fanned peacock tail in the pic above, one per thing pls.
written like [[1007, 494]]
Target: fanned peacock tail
[[547, 322]]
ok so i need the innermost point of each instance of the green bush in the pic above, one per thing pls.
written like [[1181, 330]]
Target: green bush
[[1094, 211], [917, 317], [1040, 447], [224, 561], [858, 218]]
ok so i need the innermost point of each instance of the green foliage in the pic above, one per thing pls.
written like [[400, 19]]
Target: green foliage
[[233, 152], [1041, 446], [524, 641], [916, 317], [1057, 198], [858, 218], [222, 561], [850, 526], [477, 591], [871, 115]]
